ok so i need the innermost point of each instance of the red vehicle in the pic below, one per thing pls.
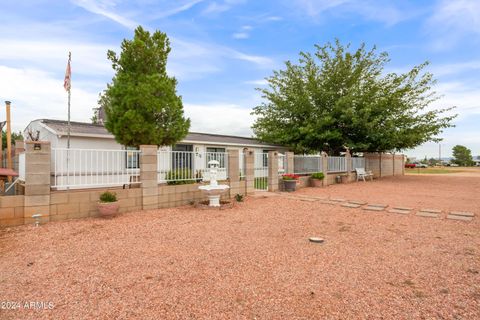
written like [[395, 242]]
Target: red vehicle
[[410, 165]]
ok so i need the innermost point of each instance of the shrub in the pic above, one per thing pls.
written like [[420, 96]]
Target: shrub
[[108, 196], [180, 176], [318, 175], [290, 176], [239, 197]]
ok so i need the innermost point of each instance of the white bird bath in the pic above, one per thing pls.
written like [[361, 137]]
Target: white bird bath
[[214, 190]]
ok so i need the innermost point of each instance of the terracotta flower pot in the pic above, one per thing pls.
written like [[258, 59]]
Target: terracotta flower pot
[[317, 183], [108, 209], [290, 185]]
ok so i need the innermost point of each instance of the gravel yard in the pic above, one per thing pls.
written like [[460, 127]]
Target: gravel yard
[[255, 262]]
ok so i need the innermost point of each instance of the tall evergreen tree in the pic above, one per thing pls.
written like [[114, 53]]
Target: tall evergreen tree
[[141, 104], [336, 98]]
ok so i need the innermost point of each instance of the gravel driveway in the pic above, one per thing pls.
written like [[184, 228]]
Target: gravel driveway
[[254, 261]]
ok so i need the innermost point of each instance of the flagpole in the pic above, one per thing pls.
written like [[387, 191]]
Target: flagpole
[[69, 88]]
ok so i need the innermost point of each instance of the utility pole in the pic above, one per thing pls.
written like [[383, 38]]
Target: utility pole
[[440, 154], [9, 140]]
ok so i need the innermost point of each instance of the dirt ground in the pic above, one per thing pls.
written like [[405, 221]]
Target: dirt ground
[[255, 261]]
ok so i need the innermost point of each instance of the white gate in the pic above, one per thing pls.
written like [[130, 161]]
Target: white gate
[[260, 171]]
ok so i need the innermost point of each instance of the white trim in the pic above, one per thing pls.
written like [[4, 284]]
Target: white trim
[[232, 144]]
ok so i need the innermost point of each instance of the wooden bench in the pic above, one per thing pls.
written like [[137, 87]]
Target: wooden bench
[[361, 174]]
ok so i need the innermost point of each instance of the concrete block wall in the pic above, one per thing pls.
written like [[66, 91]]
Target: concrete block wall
[[75, 204], [12, 211], [385, 164]]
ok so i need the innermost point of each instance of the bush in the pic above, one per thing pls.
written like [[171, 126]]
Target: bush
[[239, 197], [318, 175], [290, 176], [108, 196], [179, 176]]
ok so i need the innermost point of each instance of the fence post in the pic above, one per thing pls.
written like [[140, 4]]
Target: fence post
[[348, 165], [249, 170], [290, 157], [234, 171], [148, 176], [325, 168], [272, 171], [37, 180]]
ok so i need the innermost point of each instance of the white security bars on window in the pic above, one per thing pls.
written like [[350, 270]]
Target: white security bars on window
[[306, 164], [189, 166], [91, 168], [241, 162]]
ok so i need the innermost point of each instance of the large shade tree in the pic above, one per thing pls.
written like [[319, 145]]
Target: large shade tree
[[141, 104], [462, 156], [336, 98]]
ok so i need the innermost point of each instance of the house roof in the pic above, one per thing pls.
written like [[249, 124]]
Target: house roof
[[83, 129]]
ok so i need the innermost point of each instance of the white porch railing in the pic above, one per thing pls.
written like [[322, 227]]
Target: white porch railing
[[189, 166], [91, 168], [337, 164], [306, 164]]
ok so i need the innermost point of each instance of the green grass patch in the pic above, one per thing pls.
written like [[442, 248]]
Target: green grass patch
[[430, 171]]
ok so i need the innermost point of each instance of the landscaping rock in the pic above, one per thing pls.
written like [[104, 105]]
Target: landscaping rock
[[403, 208], [358, 202], [316, 240], [338, 199]]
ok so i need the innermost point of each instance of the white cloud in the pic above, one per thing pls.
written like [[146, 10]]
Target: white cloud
[[240, 35], [369, 9], [220, 118], [105, 9], [217, 7], [183, 7], [37, 94], [261, 82]]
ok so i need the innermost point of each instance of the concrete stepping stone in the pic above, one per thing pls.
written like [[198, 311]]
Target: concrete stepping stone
[[427, 214], [338, 199], [403, 208], [431, 211], [399, 211], [460, 215], [351, 205], [374, 208], [333, 203], [358, 202], [377, 205]]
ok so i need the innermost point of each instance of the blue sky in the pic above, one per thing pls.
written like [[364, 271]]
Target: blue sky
[[223, 49]]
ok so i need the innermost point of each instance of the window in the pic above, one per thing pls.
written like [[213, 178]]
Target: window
[[132, 160], [265, 158], [215, 154]]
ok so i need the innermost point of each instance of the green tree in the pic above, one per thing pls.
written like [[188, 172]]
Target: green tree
[[15, 136], [141, 103], [462, 156], [335, 98]]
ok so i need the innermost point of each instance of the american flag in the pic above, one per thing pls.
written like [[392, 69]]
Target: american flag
[[68, 74]]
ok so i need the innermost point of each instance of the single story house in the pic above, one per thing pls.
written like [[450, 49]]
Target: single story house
[[91, 145]]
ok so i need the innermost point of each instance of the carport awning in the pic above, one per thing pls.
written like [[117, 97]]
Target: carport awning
[[5, 172]]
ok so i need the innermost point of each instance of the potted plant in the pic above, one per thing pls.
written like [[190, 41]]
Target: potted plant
[[317, 179], [290, 182], [108, 204]]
